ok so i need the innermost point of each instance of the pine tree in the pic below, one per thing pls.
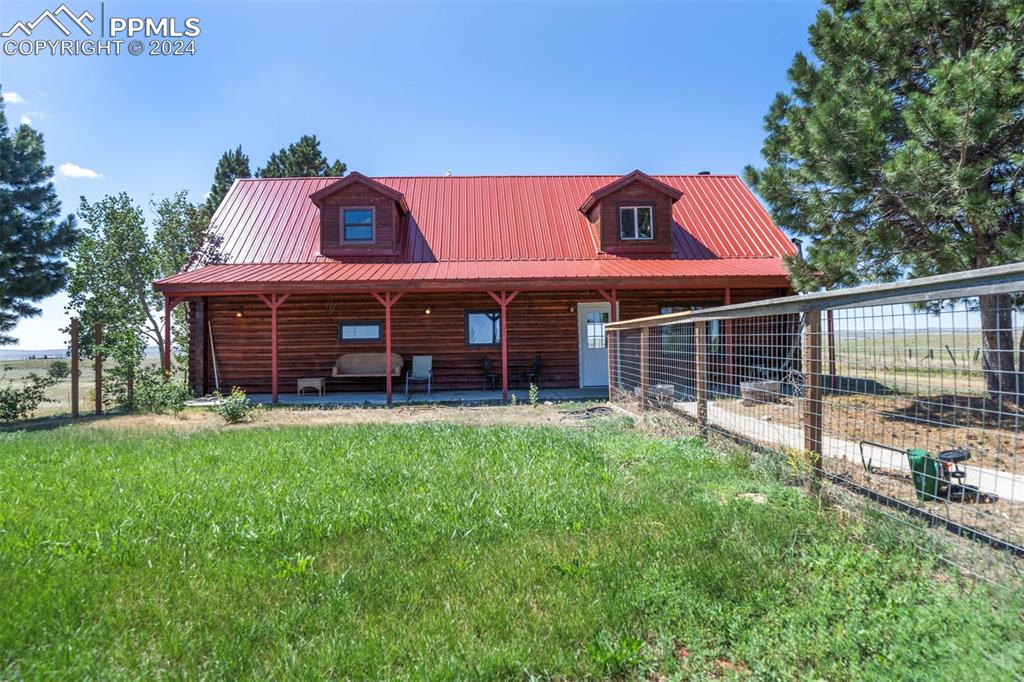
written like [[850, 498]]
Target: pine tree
[[233, 164], [33, 237], [301, 159], [899, 149]]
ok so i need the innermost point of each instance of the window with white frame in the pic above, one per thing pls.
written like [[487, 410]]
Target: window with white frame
[[357, 224], [636, 222], [359, 331]]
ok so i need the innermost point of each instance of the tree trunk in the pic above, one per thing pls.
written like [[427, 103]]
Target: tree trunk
[[997, 347]]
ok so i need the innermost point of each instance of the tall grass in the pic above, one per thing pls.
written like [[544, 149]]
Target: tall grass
[[442, 551]]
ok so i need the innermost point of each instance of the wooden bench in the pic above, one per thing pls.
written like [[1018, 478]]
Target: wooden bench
[[353, 365]]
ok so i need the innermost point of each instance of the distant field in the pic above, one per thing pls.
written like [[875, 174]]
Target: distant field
[[59, 394]]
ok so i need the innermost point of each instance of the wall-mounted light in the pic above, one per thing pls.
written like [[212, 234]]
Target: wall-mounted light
[[239, 313], [572, 308], [427, 311]]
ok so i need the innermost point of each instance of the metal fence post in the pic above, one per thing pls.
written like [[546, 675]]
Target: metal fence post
[[645, 336], [812, 397], [700, 331]]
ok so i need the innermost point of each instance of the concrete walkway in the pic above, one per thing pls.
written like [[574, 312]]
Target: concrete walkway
[[420, 397], [1004, 484]]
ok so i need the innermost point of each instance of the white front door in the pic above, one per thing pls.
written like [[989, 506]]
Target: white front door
[[593, 344]]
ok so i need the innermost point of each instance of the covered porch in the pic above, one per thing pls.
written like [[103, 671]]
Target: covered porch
[[270, 340]]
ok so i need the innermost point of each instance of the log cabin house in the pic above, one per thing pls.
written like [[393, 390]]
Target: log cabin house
[[494, 278]]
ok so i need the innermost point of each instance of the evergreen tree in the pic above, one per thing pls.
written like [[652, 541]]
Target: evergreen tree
[[899, 149], [301, 159], [33, 237], [233, 164]]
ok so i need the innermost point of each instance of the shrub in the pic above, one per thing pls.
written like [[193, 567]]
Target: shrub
[[19, 402], [154, 393], [236, 407], [534, 394]]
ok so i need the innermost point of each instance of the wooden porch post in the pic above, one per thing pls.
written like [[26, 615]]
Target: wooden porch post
[[503, 299], [611, 295], [169, 305], [74, 368], [388, 300], [274, 302]]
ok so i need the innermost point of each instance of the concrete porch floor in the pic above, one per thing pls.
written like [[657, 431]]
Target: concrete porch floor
[[421, 397]]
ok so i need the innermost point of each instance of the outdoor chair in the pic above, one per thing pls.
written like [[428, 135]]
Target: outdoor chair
[[531, 375], [490, 376], [422, 371]]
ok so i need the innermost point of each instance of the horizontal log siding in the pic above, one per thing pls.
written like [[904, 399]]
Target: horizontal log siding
[[539, 322]]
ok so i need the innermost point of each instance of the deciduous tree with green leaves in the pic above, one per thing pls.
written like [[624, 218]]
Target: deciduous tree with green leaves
[[33, 236], [301, 159], [114, 265], [899, 150]]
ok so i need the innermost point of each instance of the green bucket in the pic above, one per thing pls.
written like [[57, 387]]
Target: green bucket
[[925, 472]]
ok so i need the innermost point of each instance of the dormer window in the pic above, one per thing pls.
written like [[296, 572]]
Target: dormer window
[[357, 224], [636, 222]]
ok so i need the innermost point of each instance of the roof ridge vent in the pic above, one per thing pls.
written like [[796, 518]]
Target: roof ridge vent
[[704, 173]]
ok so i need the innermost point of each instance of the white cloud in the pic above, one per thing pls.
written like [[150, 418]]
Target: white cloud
[[25, 120], [12, 97], [70, 170]]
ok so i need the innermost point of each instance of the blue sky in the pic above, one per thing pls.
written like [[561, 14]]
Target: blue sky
[[407, 89]]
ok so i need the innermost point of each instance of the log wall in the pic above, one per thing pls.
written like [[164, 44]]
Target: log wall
[[542, 323]]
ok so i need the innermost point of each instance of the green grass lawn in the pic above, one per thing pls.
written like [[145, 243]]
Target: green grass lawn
[[450, 552]]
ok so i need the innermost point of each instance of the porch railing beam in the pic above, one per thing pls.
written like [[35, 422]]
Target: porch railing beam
[[503, 298]]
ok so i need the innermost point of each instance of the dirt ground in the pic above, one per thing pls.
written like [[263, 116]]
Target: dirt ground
[[992, 433], [196, 419]]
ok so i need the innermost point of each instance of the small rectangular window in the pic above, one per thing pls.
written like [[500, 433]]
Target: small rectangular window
[[483, 328], [359, 331], [636, 222], [357, 224]]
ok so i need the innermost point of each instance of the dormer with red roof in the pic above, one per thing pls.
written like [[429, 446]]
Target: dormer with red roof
[[632, 216], [360, 217]]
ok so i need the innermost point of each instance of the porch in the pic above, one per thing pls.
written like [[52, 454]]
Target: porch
[[420, 397]]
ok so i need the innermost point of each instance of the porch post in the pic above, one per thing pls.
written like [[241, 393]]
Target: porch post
[[274, 302], [167, 336], [611, 295], [503, 299], [388, 300], [169, 305]]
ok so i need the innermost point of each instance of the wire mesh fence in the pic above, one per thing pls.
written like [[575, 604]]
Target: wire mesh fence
[[910, 396]]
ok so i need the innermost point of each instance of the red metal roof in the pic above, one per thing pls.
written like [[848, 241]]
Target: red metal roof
[[489, 228]]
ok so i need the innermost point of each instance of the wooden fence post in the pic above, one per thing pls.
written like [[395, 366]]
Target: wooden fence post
[[645, 337], [74, 368], [98, 366], [700, 378], [812, 397]]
